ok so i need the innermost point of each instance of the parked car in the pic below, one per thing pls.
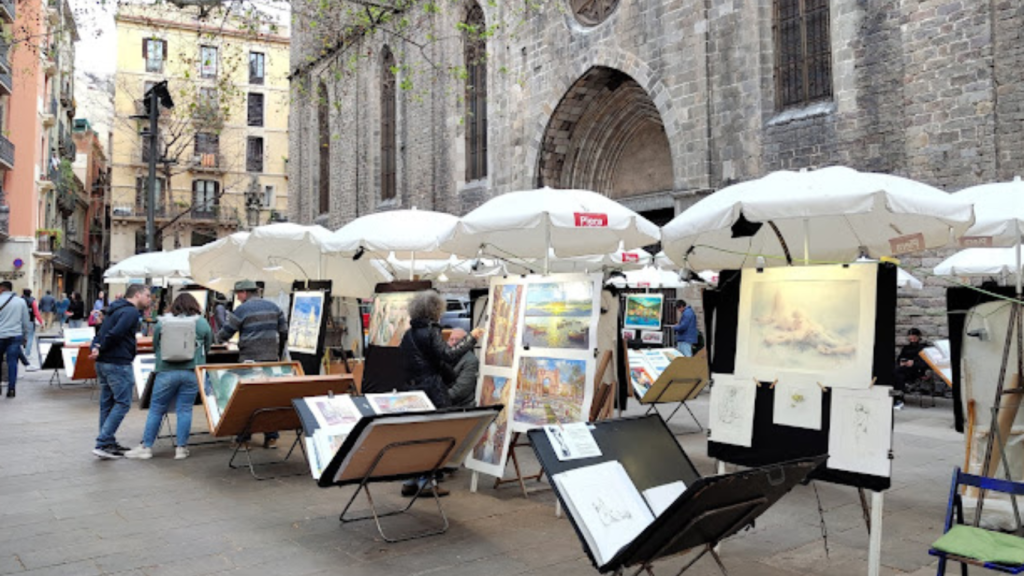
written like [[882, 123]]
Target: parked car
[[457, 314]]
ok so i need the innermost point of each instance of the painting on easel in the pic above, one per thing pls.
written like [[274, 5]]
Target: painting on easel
[[643, 311], [305, 321], [550, 391], [488, 456], [503, 328], [559, 315], [390, 318]]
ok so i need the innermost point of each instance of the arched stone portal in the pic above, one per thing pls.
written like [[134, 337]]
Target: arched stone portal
[[606, 135]]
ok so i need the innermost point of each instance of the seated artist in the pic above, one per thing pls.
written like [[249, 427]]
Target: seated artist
[[426, 353], [910, 367], [461, 378]]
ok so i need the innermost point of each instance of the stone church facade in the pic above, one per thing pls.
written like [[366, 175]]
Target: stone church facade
[[654, 103]]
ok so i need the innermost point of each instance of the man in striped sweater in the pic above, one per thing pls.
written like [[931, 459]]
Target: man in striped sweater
[[262, 333]]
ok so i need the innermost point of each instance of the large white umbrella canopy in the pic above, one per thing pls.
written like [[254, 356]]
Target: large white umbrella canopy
[[980, 262], [523, 225], [171, 264], [404, 234], [998, 212], [648, 277], [453, 268], [828, 215]]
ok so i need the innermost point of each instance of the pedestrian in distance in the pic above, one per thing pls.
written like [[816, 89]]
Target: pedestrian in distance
[[47, 307], [76, 311], [686, 330], [62, 309], [113, 349], [14, 324], [181, 341]]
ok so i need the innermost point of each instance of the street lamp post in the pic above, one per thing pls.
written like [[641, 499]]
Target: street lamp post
[[156, 96]]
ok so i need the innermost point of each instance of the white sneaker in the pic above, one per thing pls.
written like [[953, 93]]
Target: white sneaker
[[898, 405], [180, 453], [140, 452]]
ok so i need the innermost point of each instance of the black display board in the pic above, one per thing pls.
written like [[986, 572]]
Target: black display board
[[958, 302], [311, 362], [772, 443], [710, 509]]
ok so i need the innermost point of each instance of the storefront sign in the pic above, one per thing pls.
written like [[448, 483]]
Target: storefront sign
[[591, 220]]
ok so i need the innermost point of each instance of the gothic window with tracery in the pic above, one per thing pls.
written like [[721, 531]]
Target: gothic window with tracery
[[387, 125], [476, 94]]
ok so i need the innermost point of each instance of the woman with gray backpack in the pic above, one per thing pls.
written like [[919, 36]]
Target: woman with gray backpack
[[181, 341]]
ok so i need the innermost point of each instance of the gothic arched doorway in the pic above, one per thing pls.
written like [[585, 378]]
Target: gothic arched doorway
[[606, 135]]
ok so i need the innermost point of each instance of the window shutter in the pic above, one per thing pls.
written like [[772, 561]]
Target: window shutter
[[145, 48], [163, 49]]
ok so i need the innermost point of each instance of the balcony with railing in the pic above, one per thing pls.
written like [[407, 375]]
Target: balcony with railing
[[206, 163], [46, 242], [6, 82], [6, 153], [8, 10], [50, 114]]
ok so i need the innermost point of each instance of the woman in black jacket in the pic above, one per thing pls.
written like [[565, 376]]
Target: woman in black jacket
[[425, 350], [77, 310]]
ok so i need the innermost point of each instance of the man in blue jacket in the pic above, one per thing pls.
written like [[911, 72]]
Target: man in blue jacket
[[686, 329], [113, 349]]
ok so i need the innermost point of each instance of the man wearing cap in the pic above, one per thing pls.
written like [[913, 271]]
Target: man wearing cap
[[909, 365], [14, 324], [262, 333]]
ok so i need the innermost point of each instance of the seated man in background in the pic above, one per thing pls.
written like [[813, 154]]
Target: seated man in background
[[909, 365], [461, 378]]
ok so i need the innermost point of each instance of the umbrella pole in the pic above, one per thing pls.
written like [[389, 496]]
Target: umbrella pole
[[547, 246], [412, 266], [807, 242]]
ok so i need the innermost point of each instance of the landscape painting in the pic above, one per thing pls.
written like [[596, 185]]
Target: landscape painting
[[389, 319], [489, 453], [558, 315], [305, 321], [808, 325], [550, 391], [217, 384], [502, 330], [643, 311]]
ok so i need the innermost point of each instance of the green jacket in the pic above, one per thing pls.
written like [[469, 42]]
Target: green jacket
[[204, 339]]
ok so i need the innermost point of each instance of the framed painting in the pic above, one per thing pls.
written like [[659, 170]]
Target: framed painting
[[305, 322], [551, 390], [389, 318], [489, 453], [503, 325], [218, 381], [808, 324], [559, 314], [643, 311]]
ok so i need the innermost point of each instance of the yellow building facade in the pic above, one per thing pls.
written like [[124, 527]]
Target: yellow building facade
[[222, 149]]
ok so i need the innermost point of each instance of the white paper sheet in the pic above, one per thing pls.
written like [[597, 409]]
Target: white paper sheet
[[797, 404], [334, 412], [606, 506], [572, 441], [860, 431], [659, 498], [732, 410]]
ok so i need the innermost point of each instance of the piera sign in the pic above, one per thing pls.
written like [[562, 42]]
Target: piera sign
[[591, 220], [976, 242], [630, 257], [907, 244]]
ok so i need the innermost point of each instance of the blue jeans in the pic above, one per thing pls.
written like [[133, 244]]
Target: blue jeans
[[11, 348], [685, 348], [167, 386], [75, 323], [116, 382]]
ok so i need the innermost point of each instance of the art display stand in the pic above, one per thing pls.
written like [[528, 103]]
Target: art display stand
[[54, 361], [85, 366], [708, 511], [519, 478], [682, 381], [145, 400], [311, 362], [394, 447], [266, 406]]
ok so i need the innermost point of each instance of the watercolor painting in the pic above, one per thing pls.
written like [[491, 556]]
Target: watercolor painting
[[219, 384], [797, 404], [860, 431], [808, 325], [399, 402], [305, 321], [502, 329], [643, 311], [389, 319], [641, 379], [491, 449], [549, 391], [558, 315]]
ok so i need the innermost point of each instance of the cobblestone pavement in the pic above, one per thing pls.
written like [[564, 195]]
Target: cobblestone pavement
[[62, 511]]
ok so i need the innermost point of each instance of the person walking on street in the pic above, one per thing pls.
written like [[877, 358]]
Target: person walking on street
[[113, 349], [14, 324], [77, 310], [262, 334], [47, 306], [686, 329], [101, 301], [62, 309], [35, 318], [175, 379]]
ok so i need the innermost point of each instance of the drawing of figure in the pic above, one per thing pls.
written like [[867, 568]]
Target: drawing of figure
[[861, 419], [793, 327], [608, 513], [729, 409]]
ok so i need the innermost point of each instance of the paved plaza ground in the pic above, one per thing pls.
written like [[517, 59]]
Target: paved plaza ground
[[62, 511]]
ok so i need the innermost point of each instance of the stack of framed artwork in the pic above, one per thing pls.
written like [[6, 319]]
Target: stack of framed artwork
[[538, 358], [801, 360]]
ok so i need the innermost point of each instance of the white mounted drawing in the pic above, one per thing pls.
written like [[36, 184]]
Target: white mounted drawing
[[808, 324], [860, 431], [798, 405], [732, 410]]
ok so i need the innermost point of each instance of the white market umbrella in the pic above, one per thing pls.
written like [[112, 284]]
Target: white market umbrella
[[998, 218], [827, 215], [528, 224], [451, 269], [170, 264], [406, 234], [619, 260], [648, 277], [980, 262], [904, 279]]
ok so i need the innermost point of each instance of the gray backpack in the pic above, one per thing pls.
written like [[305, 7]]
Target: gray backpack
[[178, 338]]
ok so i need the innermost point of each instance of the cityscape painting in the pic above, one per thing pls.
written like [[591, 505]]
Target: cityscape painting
[[550, 391]]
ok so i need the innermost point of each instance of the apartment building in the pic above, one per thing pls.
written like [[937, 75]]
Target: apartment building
[[222, 149]]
